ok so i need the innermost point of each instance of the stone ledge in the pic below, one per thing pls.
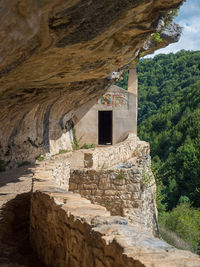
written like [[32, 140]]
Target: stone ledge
[[108, 156], [67, 230]]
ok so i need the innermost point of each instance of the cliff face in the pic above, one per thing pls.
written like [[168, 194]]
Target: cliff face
[[55, 56]]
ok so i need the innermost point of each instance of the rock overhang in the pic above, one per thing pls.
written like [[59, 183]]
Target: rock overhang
[[58, 55]]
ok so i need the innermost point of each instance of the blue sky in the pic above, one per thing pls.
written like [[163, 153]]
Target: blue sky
[[188, 18]]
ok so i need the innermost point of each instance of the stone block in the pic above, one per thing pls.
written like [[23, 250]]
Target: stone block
[[90, 186], [104, 184], [73, 186], [98, 193], [109, 192], [85, 192]]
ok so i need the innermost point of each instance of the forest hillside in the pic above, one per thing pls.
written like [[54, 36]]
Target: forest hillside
[[169, 118]]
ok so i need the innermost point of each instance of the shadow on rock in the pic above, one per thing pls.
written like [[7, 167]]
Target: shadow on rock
[[15, 249]]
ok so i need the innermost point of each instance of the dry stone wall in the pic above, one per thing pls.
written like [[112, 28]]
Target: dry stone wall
[[105, 157], [127, 191], [123, 192], [66, 230], [57, 169]]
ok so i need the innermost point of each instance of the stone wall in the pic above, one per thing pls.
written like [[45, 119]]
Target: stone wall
[[105, 157], [67, 230], [57, 169], [127, 190]]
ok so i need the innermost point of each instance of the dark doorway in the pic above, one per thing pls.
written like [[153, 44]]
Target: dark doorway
[[105, 128]]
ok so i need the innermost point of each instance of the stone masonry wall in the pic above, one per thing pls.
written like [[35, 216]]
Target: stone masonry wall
[[105, 157], [128, 192], [62, 239], [66, 230], [57, 168]]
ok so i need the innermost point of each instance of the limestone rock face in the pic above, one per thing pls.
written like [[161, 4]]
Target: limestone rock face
[[170, 34], [56, 55]]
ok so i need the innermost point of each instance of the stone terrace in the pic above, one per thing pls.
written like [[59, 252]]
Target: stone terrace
[[127, 189], [67, 230]]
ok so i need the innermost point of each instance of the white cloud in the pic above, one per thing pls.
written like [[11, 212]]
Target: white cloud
[[189, 19]]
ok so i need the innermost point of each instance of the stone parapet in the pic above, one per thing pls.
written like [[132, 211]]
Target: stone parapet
[[127, 190], [107, 156], [67, 230], [56, 170]]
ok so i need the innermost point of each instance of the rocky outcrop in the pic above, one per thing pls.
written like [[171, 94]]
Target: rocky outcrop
[[169, 34], [56, 56]]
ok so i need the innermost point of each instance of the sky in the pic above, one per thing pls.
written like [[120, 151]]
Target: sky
[[188, 18]]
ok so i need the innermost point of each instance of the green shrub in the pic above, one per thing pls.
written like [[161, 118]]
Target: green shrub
[[173, 239], [185, 222], [62, 151], [157, 38], [75, 144], [107, 203], [40, 158], [120, 176], [87, 146]]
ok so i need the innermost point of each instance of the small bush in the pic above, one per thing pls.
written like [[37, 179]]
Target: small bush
[[62, 151], [75, 146], [184, 221], [173, 239], [107, 203], [120, 176], [87, 146], [157, 38], [40, 158], [147, 178]]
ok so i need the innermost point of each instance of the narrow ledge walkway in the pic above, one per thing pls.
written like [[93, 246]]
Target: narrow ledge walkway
[[15, 187]]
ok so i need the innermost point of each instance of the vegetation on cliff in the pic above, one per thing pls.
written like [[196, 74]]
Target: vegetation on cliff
[[169, 118]]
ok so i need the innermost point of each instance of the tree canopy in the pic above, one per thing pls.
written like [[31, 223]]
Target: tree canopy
[[169, 118]]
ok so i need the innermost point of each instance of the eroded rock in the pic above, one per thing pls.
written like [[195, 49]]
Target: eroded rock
[[56, 56]]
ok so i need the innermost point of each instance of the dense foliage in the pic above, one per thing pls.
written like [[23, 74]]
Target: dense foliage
[[184, 221], [169, 118]]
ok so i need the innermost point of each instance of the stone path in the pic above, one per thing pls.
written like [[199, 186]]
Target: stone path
[[15, 251], [68, 229]]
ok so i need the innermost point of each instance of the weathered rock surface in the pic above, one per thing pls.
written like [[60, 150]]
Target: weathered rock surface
[[170, 34], [57, 55]]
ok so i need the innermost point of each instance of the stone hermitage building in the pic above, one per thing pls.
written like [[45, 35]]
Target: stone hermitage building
[[112, 117]]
